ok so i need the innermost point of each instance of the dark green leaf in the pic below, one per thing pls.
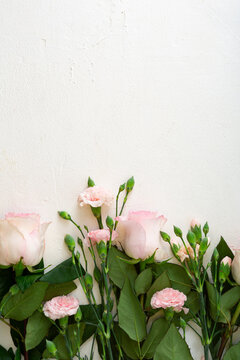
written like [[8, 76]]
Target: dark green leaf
[[156, 334], [160, 283], [37, 329], [143, 281], [129, 261], [130, 313], [24, 282], [233, 353], [6, 281], [88, 316], [118, 270], [129, 346], [59, 289], [22, 305], [223, 250], [4, 355], [172, 347], [18, 354]]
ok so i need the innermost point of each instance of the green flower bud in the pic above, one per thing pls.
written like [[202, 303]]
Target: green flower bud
[[102, 250], [130, 184], [191, 239], [14, 289], [63, 322], [177, 231], [88, 281], [70, 242], [97, 274], [121, 188], [203, 246], [77, 256], [64, 215], [206, 229], [165, 236], [110, 222], [91, 183], [216, 254], [78, 315], [51, 347], [224, 269]]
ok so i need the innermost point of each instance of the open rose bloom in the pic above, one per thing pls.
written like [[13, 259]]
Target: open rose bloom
[[61, 306], [142, 237], [95, 196], [99, 235], [169, 298], [22, 236]]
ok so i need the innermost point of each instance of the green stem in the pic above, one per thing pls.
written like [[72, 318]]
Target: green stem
[[204, 325], [99, 220], [79, 228]]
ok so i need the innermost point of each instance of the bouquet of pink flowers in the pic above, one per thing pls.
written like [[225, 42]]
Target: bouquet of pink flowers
[[139, 301]]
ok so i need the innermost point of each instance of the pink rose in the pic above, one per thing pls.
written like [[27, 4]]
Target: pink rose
[[227, 260], [95, 196], [194, 223], [142, 233], [22, 236], [169, 298], [236, 267], [61, 306], [99, 235]]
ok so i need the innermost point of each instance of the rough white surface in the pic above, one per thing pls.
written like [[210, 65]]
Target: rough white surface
[[111, 88]]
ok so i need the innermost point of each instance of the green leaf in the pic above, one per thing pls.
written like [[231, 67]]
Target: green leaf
[[24, 282], [129, 261], [63, 272], [4, 355], [172, 347], [118, 270], [192, 304], [143, 281], [59, 289], [22, 305], [89, 316], [177, 275], [232, 353], [156, 334], [6, 281], [160, 283], [129, 346], [131, 316], [37, 329]]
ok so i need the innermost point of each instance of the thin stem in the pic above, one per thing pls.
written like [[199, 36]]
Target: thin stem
[[79, 227]]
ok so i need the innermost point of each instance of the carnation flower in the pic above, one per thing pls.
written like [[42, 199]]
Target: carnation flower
[[95, 196], [183, 254], [169, 298], [61, 306], [99, 235]]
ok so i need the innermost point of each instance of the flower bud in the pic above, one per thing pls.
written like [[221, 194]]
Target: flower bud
[[77, 255], [64, 215], [177, 231], [63, 322], [70, 242], [110, 222], [191, 239], [91, 183], [215, 255], [88, 281], [206, 229], [78, 315], [102, 250], [121, 188], [51, 347], [203, 246], [236, 267], [130, 184], [224, 269], [165, 236], [97, 274]]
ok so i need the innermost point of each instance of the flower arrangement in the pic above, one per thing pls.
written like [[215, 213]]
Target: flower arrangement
[[145, 301]]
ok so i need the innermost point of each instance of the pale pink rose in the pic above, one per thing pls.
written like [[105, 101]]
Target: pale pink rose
[[61, 306], [169, 298], [95, 196], [236, 267], [99, 235], [183, 253], [194, 223], [142, 237], [227, 260], [22, 236]]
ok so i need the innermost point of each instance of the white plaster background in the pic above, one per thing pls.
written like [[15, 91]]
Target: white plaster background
[[114, 88]]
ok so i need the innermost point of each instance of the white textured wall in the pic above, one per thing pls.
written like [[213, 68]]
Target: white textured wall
[[111, 88]]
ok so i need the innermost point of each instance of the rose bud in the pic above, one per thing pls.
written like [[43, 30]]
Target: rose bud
[[224, 269]]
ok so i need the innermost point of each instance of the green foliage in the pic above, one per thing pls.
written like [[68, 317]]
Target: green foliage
[[59, 289], [156, 334], [172, 347], [6, 281], [22, 305], [119, 270], [160, 283], [232, 353], [223, 250], [129, 346], [24, 282], [89, 316], [37, 329], [4, 355], [143, 281], [131, 316]]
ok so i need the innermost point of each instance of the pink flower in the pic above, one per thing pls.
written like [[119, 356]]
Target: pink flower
[[236, 267], [227, 260], [100, 235], [169, 298], [95, 196], [183, 254], [194, 223], [142, 237], [61, 306], [22, 236]]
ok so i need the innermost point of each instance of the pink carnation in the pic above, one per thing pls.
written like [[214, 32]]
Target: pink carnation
[[169, 298], [183, 254], [61, 306], [100, 235], [95, 196], [227, 260]]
